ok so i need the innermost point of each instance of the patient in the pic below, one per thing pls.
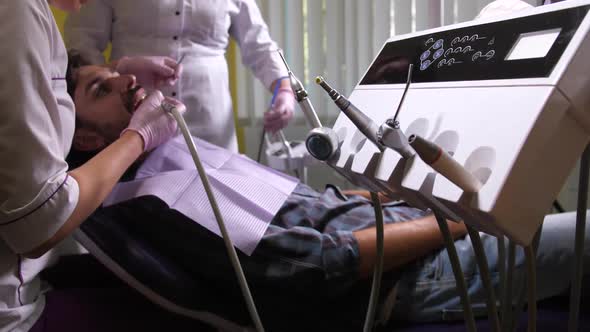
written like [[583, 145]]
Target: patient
[[315, 258]]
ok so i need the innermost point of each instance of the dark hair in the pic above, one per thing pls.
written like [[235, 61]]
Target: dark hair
[[76, 158], [75, 61]]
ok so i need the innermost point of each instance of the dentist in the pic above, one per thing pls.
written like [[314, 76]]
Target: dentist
[[41, 202], [197, 31]]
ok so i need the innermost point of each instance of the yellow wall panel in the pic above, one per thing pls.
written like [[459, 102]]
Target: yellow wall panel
[[60, 18]]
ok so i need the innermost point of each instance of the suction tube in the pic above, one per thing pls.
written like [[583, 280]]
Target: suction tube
[[226, 239]]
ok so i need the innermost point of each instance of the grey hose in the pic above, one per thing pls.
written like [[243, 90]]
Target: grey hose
[[523, 292], [501, 268], [459, 277], [226, 239], [507, 302], [378, 271], [576, 289], [484, 272], [531, 288]]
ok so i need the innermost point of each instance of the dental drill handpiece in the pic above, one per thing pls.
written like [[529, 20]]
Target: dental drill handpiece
[[390, 134], [367, 126], [302, 97], [321, 142]]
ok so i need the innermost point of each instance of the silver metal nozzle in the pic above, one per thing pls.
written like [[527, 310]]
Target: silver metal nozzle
[[301, 97], [393, 137], [408, 81], [358, 118], [331, 92]]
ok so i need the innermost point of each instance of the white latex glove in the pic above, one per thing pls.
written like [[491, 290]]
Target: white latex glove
[[152, 123], [281, 111], [151, 72]]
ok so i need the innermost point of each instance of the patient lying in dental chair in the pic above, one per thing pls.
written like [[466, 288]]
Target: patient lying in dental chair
[[314, 260]]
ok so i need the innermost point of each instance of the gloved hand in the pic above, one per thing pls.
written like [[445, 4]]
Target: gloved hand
[[150, 71], [281, 111], [152, 123]]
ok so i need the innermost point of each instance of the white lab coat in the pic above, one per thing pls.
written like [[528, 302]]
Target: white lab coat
[[199, 30], [36, 130]]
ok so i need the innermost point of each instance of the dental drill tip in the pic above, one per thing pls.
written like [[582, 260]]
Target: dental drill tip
[[331, 92]]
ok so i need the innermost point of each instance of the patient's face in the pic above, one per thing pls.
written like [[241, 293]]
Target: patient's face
[[105, 102]]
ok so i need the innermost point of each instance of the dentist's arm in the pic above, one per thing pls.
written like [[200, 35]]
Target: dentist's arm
[[150, 126], [96, 178]]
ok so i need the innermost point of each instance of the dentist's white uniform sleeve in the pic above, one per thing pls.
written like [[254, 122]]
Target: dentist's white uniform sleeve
[[259, 51], [89, 31], [36, 127]]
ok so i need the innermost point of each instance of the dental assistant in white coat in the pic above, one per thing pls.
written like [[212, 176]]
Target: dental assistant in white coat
[[198, 31], [41, 201]]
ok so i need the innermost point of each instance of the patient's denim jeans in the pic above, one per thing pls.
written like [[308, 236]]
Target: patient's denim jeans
[[426, 291]]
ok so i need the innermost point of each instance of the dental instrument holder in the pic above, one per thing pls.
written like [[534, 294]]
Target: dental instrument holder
[[425, 150], [287, 156], [321, 142], [504, 96]]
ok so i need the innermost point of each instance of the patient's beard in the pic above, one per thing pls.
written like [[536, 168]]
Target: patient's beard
[[112, 132], [109, 132]]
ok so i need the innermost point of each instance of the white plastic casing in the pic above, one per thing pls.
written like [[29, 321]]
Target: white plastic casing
[[521, 137]]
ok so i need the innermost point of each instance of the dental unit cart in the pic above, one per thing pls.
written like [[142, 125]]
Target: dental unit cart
[[507, 98]]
